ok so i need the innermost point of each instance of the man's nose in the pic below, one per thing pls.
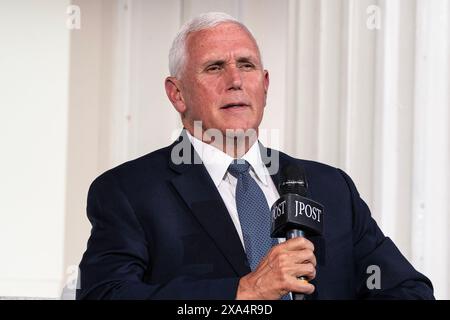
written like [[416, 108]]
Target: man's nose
[[234, 78]]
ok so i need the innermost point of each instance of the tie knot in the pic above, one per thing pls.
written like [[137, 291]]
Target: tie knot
[[238, 167]]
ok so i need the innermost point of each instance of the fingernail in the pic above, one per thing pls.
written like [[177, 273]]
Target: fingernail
[[304, 281]]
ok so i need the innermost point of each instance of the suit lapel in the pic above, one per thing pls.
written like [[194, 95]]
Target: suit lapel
[[273, 160], [198, 191]]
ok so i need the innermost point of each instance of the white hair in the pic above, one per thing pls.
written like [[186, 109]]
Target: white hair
[[177, 53]]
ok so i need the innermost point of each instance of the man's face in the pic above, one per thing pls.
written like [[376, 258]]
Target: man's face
[[223, 83]]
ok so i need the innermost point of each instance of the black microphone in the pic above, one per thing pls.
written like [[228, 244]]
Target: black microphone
[[295, 215]]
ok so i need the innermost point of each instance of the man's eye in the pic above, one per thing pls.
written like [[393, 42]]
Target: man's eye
[[247, 66], [214, 67]]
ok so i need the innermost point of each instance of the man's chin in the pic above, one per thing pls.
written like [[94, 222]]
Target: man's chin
[[236, 128]]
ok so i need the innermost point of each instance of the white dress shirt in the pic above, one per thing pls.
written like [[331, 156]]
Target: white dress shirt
[[217, 162]]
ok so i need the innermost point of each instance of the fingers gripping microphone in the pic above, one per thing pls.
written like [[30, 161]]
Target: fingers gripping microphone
[[294, 215]]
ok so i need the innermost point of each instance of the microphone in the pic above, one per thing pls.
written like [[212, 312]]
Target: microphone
[[294, 214]]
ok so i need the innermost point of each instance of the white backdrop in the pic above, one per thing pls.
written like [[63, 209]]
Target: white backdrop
[[358, 84]]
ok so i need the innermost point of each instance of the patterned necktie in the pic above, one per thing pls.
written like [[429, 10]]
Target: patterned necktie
[[254, 213]]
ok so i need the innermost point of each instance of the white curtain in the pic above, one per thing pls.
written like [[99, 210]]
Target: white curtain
[[358, 84]]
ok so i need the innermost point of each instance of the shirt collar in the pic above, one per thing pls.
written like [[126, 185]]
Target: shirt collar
[[216, 161]]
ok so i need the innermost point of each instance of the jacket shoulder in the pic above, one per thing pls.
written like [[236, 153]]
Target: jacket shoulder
[[309, 165], [154, 164]]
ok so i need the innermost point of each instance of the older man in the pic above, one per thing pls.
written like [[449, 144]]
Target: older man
[[190, 221]]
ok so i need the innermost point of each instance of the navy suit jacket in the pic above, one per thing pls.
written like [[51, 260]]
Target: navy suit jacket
[[161, 230]]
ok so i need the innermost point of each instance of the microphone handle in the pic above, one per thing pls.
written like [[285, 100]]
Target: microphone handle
[[295, 233]]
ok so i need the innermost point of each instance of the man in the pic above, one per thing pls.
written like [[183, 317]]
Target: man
[[174, 224]]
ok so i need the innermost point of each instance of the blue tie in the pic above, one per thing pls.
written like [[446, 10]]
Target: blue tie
[[254, 213]]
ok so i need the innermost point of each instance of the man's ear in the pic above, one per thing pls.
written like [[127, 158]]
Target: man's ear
[[266, 85], [266, 81], [173, 90]]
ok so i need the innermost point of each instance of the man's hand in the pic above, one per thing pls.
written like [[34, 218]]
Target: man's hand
[[277, 273]]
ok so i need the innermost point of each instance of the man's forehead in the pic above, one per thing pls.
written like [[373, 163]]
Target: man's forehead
[[221, 41], [222, 34]]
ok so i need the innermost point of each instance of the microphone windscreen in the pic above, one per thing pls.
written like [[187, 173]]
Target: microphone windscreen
[[293, 180]]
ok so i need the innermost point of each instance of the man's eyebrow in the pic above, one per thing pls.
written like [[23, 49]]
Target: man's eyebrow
[[246, 59], [213, 62], [221, 62]]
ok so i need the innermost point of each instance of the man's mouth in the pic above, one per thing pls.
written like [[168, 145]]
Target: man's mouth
[[235, 105]]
